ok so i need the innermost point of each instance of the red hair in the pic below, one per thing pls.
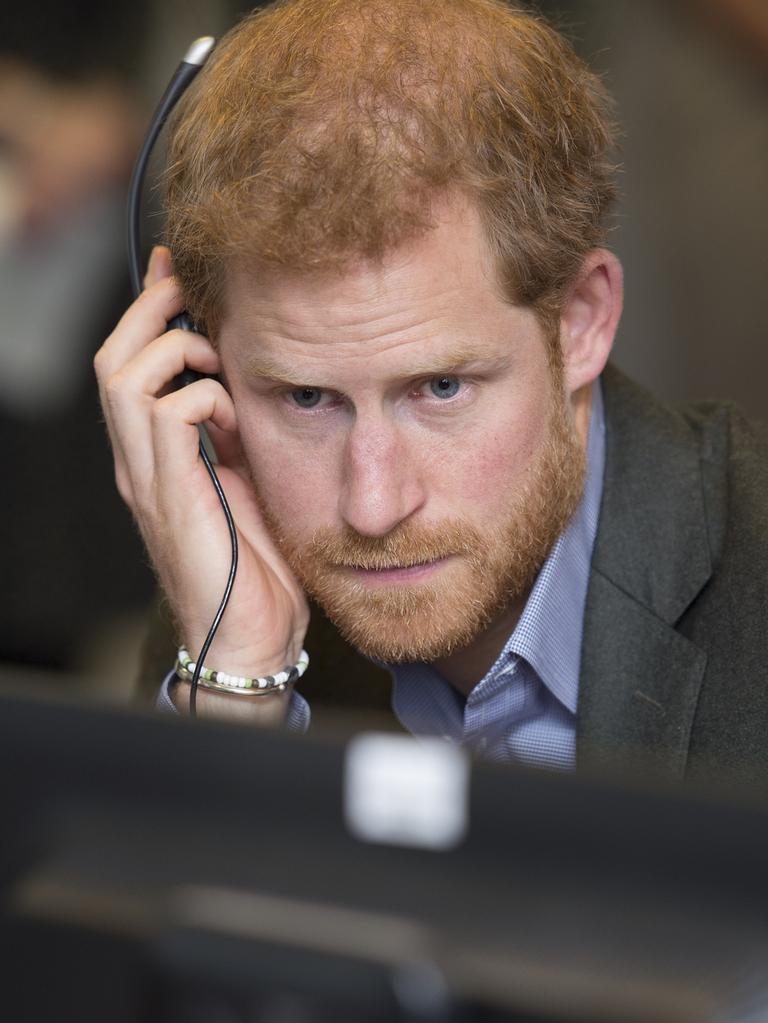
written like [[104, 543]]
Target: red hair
[[322, 131]]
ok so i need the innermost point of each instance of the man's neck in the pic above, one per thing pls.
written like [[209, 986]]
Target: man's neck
[[466, 667]]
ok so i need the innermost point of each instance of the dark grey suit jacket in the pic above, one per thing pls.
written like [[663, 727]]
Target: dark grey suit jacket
[[674, 676], [674, 670]]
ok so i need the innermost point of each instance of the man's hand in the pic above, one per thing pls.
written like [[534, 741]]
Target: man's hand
[[161, 477]]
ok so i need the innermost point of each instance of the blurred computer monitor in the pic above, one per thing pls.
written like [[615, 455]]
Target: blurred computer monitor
[[162, 869]]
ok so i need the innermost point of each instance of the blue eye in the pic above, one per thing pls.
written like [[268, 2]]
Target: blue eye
[[445, 387], [307, 397]]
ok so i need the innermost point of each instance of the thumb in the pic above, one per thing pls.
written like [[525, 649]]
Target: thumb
[[159, 265]]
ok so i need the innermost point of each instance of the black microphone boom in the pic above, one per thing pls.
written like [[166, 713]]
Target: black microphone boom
[[193, 60]]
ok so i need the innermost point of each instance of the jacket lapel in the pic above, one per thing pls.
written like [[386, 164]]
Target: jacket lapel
[[640, 678]]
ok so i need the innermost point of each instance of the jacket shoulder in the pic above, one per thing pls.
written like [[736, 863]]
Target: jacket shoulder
[[730, 619], [734, 460], [680, 448]]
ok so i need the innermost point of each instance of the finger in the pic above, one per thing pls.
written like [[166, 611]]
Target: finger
[[146, 319], [127, 397], [162, 449], [155, 366], [174, 418], [159, 265]]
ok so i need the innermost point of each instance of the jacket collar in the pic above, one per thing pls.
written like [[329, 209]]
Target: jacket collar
[[640, 678]]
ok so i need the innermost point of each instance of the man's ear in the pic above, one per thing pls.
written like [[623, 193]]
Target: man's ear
[[590, 317]]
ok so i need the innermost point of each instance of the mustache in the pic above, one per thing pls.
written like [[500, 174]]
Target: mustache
[[406, 546]]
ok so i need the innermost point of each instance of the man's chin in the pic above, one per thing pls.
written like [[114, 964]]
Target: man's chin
[[399, 625], [397, 643]]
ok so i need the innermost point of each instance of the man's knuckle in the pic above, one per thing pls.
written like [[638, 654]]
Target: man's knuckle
[[160, 410], [177, 345], [114, 389], [145, 298]]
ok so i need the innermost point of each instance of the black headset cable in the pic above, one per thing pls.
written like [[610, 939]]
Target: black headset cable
[[193, 60]]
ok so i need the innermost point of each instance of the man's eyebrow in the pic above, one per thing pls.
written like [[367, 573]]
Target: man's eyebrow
[[268, 369], [458, 359], [453, 361]]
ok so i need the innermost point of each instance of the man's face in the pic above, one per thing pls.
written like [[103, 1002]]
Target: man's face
[[409, 442]]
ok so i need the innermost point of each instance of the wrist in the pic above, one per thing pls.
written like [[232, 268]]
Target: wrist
[[249, 686], [269, 711], [251, 661], [244, 664]]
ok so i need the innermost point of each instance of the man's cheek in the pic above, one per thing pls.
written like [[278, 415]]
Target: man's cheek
[[298, 491], [484, 472]]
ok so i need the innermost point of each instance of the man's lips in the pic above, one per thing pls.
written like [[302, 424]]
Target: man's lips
[[397, 574]]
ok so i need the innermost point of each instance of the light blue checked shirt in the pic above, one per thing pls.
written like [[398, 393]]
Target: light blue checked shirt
[[524, 709]]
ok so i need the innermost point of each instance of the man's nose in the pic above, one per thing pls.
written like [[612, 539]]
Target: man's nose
[[382, 484]]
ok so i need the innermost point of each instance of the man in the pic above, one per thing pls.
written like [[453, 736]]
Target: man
[[389, 215]]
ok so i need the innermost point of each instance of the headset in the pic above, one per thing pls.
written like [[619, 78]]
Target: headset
[[191, 63]]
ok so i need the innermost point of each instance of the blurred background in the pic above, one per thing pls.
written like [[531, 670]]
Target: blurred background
[[77, 84]]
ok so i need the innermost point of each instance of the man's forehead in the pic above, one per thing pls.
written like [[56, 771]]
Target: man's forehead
[[359, 305], [449, 259], [407, 329]]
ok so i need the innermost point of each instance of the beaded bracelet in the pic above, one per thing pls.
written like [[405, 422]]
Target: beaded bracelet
[[224, 683]]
